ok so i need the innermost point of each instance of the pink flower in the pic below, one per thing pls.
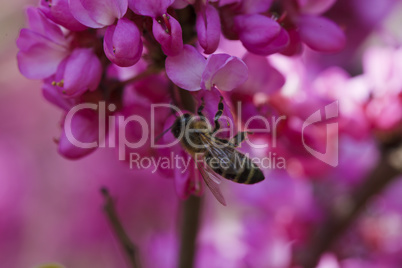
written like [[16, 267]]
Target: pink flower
[[382, 68], [85, 129], [317, 32], [189, 70], [79, 72], [97, 14], [42, 47], [314, 6], [321, 34], [208, 27], [122, 43], [84, 125], [166, 29], [59, 12], [261, 34]]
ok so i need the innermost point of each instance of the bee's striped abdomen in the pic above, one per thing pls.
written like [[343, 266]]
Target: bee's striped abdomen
[[240, 170]]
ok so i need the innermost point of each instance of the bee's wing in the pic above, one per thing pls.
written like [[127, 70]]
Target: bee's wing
[[221, 150], [212, 181]]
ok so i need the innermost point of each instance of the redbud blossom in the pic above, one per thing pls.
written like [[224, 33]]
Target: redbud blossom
[[59, 12], [42, 47], [84, 128], [84, 124], [261, 34], [189, 70], [79, 72], [208, 27], [321, 34], [166, 29], [122, 43], [98, 14], [315, 6]]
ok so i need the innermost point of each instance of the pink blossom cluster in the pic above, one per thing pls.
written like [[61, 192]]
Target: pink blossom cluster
[[277, 59]]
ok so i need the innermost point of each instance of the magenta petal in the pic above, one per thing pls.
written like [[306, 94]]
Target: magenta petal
[[185, 69], [279, 43], [256, 31], [54, 96], [82, 72], [98, 14], [122, 43], [172, 41], [41, 25], [214, 63], [179, 4], [59, 12], [263, 77], [255, 6], [40, 60], [211, 100], [82, 15], [84, 128], [315, 7], [208, 27], [151, 8], [321, 34], [224, 71]]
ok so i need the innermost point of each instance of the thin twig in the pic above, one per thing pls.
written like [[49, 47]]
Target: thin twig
[[129, 248], [336, 223], [189, 229]]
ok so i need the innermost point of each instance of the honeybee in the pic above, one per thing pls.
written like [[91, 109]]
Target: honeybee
[[220, 158]]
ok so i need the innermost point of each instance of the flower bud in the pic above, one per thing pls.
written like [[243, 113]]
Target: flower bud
[[122, 43]]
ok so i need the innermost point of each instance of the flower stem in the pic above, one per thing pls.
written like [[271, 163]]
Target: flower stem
[[337, 223], [189, 229], [129, 248]]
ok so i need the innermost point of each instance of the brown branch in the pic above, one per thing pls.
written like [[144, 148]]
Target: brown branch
[[129, 248], [338, 221], [189, 229]]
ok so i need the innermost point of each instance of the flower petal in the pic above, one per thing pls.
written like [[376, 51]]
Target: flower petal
[[82, 72], [179, 4], [40, 24], [40, 60], [122, 43], [171, 40], [278, 44], [185, 69], [211, 100], [321, 34], [256, 31], [98, 14], [82, 15], [263, 77], [255, 6], [59, 12], [54, 96], [151, 8], [208, 27], [84, 128], [315, 7], [224, 71]]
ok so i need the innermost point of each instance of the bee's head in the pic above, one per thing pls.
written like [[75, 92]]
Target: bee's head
[[180, 124]]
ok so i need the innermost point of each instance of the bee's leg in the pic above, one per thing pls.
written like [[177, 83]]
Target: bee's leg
[[239, 138], [199, 111], [218, 115]]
